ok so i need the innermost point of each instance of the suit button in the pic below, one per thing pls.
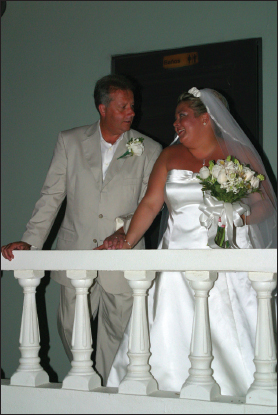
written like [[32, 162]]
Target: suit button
[[95, 241], [100, 216]]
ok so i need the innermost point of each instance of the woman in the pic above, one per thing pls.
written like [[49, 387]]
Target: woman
[[206, 131]]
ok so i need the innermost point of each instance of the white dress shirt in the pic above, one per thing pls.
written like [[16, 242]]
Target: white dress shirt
[[107, 152]]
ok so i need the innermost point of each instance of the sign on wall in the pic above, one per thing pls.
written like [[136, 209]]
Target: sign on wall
[[180, 60]]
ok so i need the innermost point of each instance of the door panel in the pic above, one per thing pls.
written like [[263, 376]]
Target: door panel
[[232, 68]]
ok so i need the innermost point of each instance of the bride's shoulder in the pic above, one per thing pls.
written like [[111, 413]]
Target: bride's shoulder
[[176, 151], [175, 157]]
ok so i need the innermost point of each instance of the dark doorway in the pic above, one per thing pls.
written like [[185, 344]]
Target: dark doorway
[[232, 68]]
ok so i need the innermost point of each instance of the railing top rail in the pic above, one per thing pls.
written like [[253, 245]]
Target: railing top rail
[[264, 260]]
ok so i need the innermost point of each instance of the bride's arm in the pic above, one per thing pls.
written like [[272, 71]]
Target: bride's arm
[[261, 209], [149, 206]]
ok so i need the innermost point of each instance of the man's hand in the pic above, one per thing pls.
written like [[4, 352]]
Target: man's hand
[[114, 241], [7, 250]]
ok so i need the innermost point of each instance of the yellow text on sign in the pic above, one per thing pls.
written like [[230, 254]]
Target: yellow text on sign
[[179, 60]]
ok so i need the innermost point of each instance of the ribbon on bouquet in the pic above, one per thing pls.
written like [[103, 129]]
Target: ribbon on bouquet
[[229, 213]]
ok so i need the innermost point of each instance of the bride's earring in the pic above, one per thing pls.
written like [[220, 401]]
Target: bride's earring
[[204, 123]]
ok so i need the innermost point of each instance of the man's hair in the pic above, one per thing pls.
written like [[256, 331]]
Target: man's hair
[[108, 84]]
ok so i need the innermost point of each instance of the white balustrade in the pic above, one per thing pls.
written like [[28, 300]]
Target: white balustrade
[[140, 266], [139, 380], [264, 388], [200, 384], [82, 375], [29, 372]]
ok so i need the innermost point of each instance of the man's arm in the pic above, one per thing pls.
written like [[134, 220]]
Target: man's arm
[[52, 195]]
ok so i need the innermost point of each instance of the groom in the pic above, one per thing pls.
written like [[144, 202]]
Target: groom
[[100, 187]]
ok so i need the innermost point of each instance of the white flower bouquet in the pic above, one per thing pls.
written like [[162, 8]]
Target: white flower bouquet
[[135, 147], [228, 181]]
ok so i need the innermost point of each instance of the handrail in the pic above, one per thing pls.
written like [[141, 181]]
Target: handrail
[[264, 260]]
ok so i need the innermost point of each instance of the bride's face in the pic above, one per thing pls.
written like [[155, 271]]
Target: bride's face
[[189, 128]]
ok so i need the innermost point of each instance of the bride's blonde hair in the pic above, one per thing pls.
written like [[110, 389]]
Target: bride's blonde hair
[[196, 103]]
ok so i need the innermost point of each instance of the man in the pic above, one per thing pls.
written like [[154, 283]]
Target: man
[[100, 187]]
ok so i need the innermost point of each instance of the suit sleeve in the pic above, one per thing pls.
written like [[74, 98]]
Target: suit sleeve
[[124, 221], [52, 195]]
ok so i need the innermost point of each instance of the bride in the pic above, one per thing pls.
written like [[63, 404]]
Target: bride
[[205, 131]]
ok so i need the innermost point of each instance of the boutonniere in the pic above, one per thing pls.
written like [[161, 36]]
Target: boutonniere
[[135, 147]]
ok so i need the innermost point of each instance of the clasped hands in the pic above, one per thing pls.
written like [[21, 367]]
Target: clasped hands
[[114, 241]]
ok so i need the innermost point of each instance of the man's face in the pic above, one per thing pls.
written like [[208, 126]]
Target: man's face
[[117, 117]]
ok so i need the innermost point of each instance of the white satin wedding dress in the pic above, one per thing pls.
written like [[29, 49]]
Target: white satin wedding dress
[[232, 305]]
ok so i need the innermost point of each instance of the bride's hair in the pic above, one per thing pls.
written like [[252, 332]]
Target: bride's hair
[[197, 105], [199, 108]]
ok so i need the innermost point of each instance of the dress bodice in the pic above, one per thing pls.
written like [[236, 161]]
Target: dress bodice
[[183, 196], [182, 188]]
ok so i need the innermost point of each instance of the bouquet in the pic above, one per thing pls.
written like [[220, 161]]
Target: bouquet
[[228, 181]]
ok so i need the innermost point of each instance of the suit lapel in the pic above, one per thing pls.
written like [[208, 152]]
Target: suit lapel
[[92, 151], [116, 165]]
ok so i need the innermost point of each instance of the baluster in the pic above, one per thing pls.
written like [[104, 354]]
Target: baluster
[[200, 383], [82, 375], [29, 372], [139, 380], [263, 390]]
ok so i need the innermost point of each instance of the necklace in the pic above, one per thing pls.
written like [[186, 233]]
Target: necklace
[[209, 154]]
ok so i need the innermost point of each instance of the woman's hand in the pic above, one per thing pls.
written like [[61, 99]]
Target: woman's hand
[[127, 245], [122, 244], [114, 241]]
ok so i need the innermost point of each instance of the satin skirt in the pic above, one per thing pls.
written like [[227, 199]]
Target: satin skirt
[[233, 319]]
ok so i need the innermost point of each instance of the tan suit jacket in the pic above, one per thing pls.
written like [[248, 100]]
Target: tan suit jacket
[[92, 205]]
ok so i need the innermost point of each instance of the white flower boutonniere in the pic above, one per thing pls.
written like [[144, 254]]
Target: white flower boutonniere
[[135, 147]]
